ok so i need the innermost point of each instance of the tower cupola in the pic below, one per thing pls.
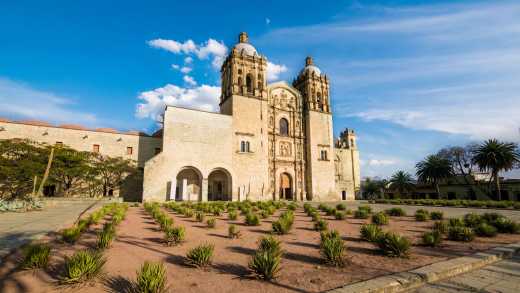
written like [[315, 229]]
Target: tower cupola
[[314, 87]]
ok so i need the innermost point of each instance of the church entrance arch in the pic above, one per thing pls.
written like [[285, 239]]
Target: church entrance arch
[[219, 185], [189, 184], [286, 191]]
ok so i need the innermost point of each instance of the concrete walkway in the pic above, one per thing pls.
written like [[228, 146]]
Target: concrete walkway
[[17, 229], [502, 276]]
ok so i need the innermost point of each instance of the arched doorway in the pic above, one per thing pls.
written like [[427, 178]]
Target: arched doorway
[[286, 191], [219, 185], [189, 182]]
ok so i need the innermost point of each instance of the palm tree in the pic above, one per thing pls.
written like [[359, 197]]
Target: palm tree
[[496, 156], [402, 182], [433, 169], [373, 188]]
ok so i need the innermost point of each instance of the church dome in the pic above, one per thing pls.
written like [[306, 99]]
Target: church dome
[[243, 45], [310, 68]]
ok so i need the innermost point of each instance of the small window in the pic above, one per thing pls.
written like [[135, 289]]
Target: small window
[[59, 143], [240, 71], [323, 155], [247, 147], [157, 151], [129, 150], [95, 148], [249, 83], [284, 127], [242, 146]]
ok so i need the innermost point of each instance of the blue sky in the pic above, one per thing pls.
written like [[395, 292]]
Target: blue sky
[[409, 76]]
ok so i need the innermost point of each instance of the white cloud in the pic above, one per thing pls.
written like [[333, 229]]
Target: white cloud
[[376, 162], [204, 97], [186, 69], [267, 20], [213, 48], [188, 60], [174, 46], [175, 66], [189, 80], [274, 71], [20, 100]]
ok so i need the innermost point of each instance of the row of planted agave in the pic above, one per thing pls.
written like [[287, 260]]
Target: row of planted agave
[[84, 264]]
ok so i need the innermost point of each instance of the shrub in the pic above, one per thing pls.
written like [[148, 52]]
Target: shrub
[[292, 206], [232, 215], [485, 230], [200, 217], [174, 235], [341, 207], [321, 225], [233, 232], [368, 209], [361, 214], [441, 226], [330, 211], [436, 215], [270, 243], [265, 263], [71, 235], [201, 255], [217, 212], [396, 212], [392, 244], [456, 222], [151, 278], [316, 217], [252, 219], [211, 222], [82, 266], [422, 215], [340, 215], [460, 233], [35, 256], [370, 232], [380, 219], [505, 225], [332, 249], [472, 220], [189, 213], [83, 224], [106, 235], [164, 221], [281, 226], [432, 239]]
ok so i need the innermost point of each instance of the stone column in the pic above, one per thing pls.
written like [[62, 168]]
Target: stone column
[[185, 194], [173, 187], [204, 189]]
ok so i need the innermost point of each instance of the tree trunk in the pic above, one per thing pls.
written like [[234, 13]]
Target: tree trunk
[[497, 186], [438, 190], [46, 174]]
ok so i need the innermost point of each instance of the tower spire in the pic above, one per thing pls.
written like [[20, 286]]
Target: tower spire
[[243, 38]]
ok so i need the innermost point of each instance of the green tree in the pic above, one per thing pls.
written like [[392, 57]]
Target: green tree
[[69, 169], [402, 182], [495, 156], [434, 169], [373, 188], [112, 171]]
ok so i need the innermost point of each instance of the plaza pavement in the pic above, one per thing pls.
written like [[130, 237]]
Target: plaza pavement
[[17, 229]]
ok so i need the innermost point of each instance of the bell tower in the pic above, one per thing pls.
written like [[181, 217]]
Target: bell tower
[[314, 87]]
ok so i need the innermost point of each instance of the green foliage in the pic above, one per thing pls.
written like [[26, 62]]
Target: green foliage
[[505, 225], [332, 248], [284, 224], [370, 232], [392, 244], [201, 255], [436, 215], [174, 235], [485, 230], [472, 220], [315, 216], [35, 256], [292, 206], [71, 235], [361, 214], [441, 226], [422, 215], [151, 278], [106, 236], [368, 209], [330, 212], [264, 214], [402, 182], [233, 232], [340, 215], [460, 233], [252, 219], [321, 225], [380, 219], [82, 266], [434, 169], [341, 207], [432, 239], [211, 222], [200, 216], [233, 215], [164, 221], [265, 263], [270, 243], [456, 222], [396, 212]]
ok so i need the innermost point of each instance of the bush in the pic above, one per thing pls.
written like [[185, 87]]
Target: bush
[[340, 215], [472, 220], [233, 232], [396, 212], [456, 222], [164, 221], [485, 230], [282, 226], [436, 215], [321, 225], [201, 255], [189, 213], [441, 226], [270, 243], [505, 225], [252, 219], [71, 235], [211, 222], [460, 233], [370, 232], [368, 209], [35, 256], [432, 239], [380, 219], [174, 235], [361, 214], [330, 211], [83, 224], [106, 235], [200, 217], [151, 278], [392, 244], [232, 215], [82, 266], [422, 215], [265, 263], [341, 207], [264, 214], [316, 217], [332, 248], [292, 206]]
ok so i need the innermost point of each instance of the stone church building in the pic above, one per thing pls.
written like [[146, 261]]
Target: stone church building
[[269, 141]]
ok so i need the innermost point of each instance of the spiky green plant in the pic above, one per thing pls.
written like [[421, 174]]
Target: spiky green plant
[[233, 232], [485, 230], [361, 214], [106, 236], [200, 256], [321, 225], [396, 212], [211, 222], [472, 220], [380, 219], [82, 266], [394, 245], [35, 256], [370, 232], [441, 226], [174, 235], [436, 215], [432, 239], [200, 216], [460, 233], [341, 207], [71, 235], [270, 243], [252, 219], [340, 215], [232, 215], [265, 264], [422, 215], [332, 248], [151, 278]]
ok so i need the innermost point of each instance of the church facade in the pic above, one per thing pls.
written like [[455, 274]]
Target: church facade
[[269, 141]]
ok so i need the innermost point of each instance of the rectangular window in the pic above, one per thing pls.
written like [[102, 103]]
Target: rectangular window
[[245, 147], [157, 151], [95, 148], [323, 155], [129, 150], [59, 143]]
